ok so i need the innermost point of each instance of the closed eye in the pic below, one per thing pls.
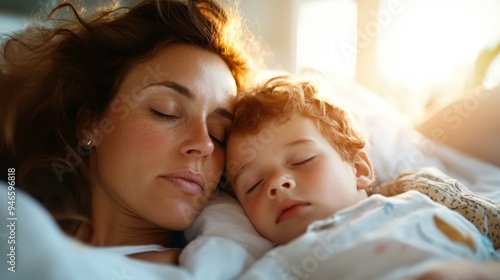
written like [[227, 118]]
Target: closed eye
[[304, 162], [163, 116], [217, 128], [218, 134], [218, 141], [254, 187]]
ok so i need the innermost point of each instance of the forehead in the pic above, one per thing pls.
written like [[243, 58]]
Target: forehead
[[201, 71], [272, 136], [276, 129]]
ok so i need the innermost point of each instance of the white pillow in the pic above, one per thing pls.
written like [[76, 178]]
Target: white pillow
[[224, 217], [394, 145]]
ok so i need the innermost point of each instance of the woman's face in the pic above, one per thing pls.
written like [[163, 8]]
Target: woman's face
[[160, 147]]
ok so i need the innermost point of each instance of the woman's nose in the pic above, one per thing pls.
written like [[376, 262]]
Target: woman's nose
[[282, 183], [197, 142]]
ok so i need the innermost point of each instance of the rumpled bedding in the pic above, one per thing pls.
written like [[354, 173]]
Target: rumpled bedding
[[224, 245], [380, 238], [41, 251]]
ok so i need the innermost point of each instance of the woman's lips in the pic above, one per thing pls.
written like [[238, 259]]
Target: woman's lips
[[289, 209], [187, 181]]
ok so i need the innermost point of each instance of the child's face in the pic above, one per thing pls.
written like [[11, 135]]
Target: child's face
[[288, 175]]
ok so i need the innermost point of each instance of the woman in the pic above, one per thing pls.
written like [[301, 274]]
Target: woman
[[117, 123]]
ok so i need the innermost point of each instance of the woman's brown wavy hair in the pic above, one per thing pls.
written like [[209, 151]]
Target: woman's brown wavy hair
[[53, 69]]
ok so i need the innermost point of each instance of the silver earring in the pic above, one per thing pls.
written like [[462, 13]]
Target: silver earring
[[88, 144]]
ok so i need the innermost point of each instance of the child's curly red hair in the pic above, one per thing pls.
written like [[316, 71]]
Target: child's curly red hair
[[281, 97]]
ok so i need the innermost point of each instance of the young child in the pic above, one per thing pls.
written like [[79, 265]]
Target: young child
[[292, 158], [283, 137]]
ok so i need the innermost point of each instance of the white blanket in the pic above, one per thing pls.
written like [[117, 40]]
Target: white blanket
[[33, 247], [379, 238]]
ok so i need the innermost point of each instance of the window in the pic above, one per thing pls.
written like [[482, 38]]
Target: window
[[424, 50], [326, 36]]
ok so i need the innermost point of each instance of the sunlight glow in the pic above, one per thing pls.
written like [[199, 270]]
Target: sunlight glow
[[429, 42], [437, 41], [323, 27], [492, 78]]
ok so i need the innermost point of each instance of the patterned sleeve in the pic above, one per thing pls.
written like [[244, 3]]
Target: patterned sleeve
[[482, 212]]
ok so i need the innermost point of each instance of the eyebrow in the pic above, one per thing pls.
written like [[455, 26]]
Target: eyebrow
[[178, 88], [299, 142], [184, 91]]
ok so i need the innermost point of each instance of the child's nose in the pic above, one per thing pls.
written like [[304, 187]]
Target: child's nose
[[283, 183]]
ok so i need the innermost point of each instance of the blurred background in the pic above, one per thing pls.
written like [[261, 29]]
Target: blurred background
[[416, 54]]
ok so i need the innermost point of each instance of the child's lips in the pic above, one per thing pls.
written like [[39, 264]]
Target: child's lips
[[290, 208]]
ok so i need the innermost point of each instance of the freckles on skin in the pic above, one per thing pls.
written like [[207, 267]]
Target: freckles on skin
[[128, 164], [133, 147]]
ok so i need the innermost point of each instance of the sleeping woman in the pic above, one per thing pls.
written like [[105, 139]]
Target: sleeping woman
[[116, 122]]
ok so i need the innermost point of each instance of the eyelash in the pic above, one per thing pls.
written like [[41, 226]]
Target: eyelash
[[163, 116], [304, 162], [220, 142], [173, 118], [253, 187]]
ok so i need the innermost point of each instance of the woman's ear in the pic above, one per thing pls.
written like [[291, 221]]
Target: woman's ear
[[364, 170]]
